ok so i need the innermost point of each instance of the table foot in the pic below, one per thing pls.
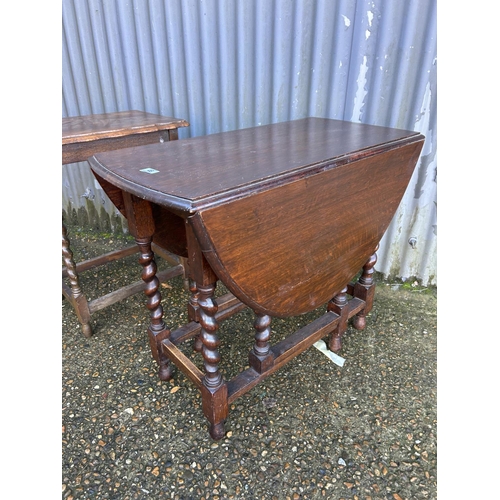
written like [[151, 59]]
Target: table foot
[[87, 330], [165, 371], [216, 408], [359, 322], [335, 343], [217, 431]]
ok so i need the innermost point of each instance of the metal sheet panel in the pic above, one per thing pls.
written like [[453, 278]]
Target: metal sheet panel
[[229, 64]]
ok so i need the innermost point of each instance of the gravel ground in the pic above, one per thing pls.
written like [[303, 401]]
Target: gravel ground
[[366, 430]]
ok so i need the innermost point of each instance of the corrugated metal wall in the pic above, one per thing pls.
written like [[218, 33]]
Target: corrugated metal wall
[[229, 64]]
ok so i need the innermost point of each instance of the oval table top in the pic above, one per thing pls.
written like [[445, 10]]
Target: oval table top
[[286, 214]]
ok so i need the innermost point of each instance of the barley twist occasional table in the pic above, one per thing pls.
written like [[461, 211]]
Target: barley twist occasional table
[[285, 215], [83, 136]]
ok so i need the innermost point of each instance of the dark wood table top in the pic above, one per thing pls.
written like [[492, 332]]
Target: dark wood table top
[[84, 136], [285, 214], [200, 171], [87, 128]]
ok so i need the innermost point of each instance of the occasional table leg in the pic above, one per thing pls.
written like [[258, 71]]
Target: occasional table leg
[[193, 312], [157, 330], [214, 388], [260, 357], [365, 290], [184, 263], [338, 305], [78, 299], [141, 225]]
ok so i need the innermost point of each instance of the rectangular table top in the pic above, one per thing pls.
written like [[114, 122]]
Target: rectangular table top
[[77, 129], [201, 171]]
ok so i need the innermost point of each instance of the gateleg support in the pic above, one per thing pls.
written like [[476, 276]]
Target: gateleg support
[[141, 225], [261, 357], [338, 306], [364, 289]]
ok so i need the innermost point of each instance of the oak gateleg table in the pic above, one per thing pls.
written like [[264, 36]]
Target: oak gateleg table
[[285, 215], [83, 136]]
